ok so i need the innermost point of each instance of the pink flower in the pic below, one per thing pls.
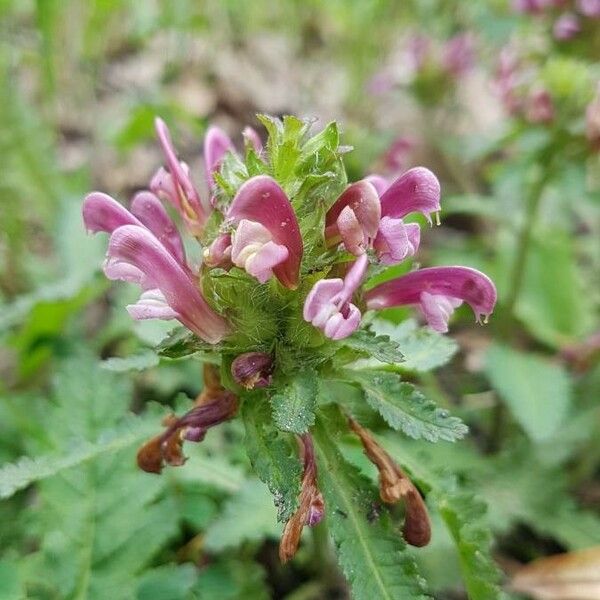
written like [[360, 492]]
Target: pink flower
[[354, 218], [328, 305], [459, 54], [267, 238], [145, 248], [540, 108], [566, 27], [437, 291], [589, 8], [175, 185]]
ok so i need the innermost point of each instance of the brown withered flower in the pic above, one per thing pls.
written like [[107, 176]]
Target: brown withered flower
[[252, 369], [311, 507], [395, 485], [213, 406]]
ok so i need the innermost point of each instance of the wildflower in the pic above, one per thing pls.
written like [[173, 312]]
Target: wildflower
[[216, 145], [589, 8], [145, 249], [267, 240], [566, 27], [458, 54], [437, 291], [328, 305], [540, 108]]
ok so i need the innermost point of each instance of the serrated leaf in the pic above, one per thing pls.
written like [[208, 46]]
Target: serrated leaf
[[181, 343], [249, 515], [294, 404], [27, 470], [371, 552], [423, 348], [536, 391], [462, 514], [404, 407], [273, 456], [102, 520], [381, 347]]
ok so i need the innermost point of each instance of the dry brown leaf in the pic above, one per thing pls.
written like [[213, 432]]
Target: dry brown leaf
[[570, 576]]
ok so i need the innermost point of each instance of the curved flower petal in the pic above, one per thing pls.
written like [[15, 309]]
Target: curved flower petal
[[138, 247], [101, 212], [216, 144], [219, 252], [117, 270], [379, 182], [328, 305], [438, 309], [150, 211], [261, 200], [417, 190], [453, 283], [186, 199], [396, 240], [354, 216]]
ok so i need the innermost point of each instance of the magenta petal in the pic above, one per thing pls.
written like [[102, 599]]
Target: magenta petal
[[101, 212], [438, 309], [216, 145], [117, 270], [351, 232], [151, 305], [396, 240], [253, 138], [138, 247], [363, 199], [149, 210], [462, 283], [317, 306], [261, 200], [219, 252], [379, 182], [188, 200], [340, 325], [417, 190], [261, 265]]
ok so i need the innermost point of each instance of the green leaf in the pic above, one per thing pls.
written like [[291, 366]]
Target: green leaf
[[381, 347], [554, 303], [371, 552], [274, 456], [135, 362], [232, 579], [181, 343], [249, 515], [423, 348], [294, 404], [167, 582], [404, 407], [537, 392], [462, 514], [103, 520]]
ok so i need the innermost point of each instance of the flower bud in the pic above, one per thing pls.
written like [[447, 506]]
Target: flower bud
[[252, 369]]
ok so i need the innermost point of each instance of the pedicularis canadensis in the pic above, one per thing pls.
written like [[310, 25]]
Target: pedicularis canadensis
[[294, 261]]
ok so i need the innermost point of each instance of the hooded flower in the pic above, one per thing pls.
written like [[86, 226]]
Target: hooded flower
[[175, 184], [437, 291], [328, 305], [266, 240], [145, 248]]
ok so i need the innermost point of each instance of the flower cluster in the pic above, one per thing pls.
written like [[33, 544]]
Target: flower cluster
[[569, 18], [288, 251]]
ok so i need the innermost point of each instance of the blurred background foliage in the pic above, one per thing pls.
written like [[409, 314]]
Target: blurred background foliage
[[508, 127]]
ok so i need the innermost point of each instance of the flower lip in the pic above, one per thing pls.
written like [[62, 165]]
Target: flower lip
[[417, 190], [354, 217], [138, 247], [261, 199], [463, 283]]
